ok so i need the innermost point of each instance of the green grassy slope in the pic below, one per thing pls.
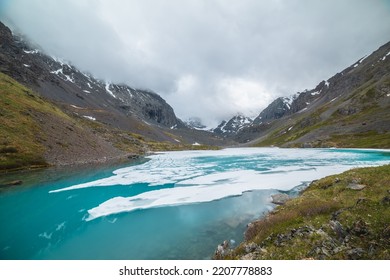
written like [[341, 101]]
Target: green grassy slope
[[19, 131]]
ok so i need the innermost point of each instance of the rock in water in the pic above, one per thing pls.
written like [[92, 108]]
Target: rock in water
[[222, 250]]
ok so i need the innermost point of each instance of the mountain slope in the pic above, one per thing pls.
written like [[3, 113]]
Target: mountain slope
[[89, 120], [351, 109], [79, 94], [64, 83], [36, 133]]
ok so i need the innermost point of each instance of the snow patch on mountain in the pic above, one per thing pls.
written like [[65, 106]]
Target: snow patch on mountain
[[383, 58], [31, 51], [360, 61], [90, 118], [108, 90], [315, 93]]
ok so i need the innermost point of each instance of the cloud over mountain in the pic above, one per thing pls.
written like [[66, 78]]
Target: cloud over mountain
[[206, 58]]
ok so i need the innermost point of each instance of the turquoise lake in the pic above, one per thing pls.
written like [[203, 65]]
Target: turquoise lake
[[171, 205]]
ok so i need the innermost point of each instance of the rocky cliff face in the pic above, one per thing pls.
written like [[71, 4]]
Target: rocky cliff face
[[284, 106], [277, 109]]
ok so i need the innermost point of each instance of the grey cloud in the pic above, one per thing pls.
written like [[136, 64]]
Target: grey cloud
[[203, 56]]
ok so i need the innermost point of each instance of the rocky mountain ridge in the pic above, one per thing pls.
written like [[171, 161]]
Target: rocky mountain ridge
[[353, 102], [90, 120], [119, 105], [62, 82]]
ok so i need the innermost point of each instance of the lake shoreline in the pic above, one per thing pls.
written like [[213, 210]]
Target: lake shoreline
[[16, 178], [334, 232]]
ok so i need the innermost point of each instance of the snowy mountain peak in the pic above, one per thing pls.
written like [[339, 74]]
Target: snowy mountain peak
[[235, 124]]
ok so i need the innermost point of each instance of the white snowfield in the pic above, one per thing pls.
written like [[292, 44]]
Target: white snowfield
[[197, 175]]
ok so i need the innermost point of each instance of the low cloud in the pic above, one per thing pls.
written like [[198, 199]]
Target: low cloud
[[209, 59]]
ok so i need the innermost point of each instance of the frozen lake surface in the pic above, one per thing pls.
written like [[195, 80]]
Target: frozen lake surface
[[175, 205]]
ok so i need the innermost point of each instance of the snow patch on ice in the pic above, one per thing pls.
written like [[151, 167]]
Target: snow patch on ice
[[60, 226], [45, 235]]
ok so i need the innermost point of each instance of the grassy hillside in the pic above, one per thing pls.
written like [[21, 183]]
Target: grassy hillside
[[345, 216], [20, 132]]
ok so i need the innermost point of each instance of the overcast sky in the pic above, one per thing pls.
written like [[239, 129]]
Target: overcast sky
[[207, 58]]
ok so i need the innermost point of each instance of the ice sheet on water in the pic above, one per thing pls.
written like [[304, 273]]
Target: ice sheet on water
[[175, 167], [202, 176], [209, 188]]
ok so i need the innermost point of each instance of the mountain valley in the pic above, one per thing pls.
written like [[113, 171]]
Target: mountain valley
[[54, 114]]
